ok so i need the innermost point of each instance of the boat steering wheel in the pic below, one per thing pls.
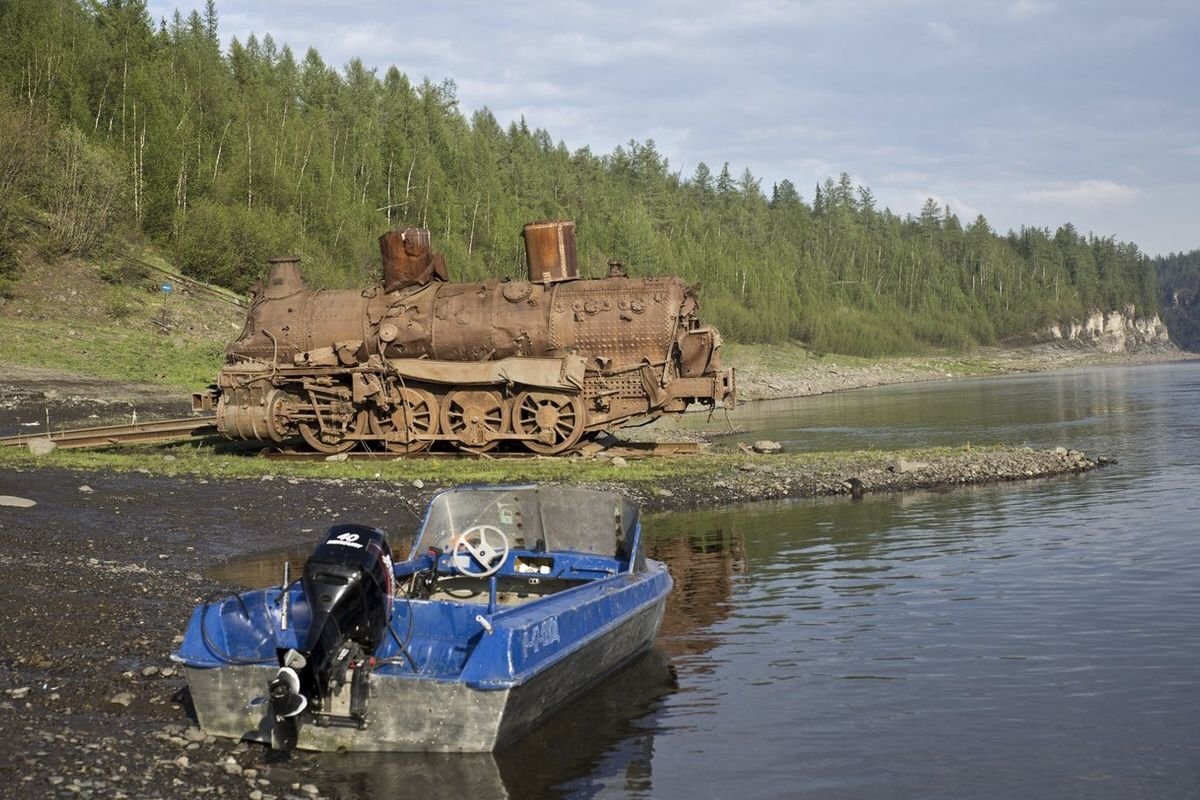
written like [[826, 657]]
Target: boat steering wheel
[[476, 554]]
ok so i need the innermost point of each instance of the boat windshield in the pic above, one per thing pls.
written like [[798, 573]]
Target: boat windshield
[[544, 519]]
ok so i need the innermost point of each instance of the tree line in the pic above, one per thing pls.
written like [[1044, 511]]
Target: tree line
[[1179, 288], [120, 126]]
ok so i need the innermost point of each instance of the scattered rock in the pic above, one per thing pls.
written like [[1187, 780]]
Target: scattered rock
[[418, 484], [618, 461], [767, 446], [121, 699], [85, 489], [41, 447], [150, 672], [904, 466], [338, 457], [16, 502]]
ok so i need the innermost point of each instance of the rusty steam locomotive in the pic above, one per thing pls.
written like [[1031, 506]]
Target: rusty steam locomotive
[[420, 360]]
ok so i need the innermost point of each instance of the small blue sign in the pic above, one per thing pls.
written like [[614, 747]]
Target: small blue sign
[[167, 288]]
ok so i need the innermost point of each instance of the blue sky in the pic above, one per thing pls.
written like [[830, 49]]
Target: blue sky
[[1031, 112]]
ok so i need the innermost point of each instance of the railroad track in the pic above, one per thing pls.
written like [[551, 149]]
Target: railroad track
[[625, 450], [167, 430], [163, 430]]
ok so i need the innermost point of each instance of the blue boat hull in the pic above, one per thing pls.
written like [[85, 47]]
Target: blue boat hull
[[412, 713]]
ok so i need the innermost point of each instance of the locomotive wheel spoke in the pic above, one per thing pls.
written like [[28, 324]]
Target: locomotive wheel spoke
[[417, 414], [554, 419], [334, 439], [472, 415]]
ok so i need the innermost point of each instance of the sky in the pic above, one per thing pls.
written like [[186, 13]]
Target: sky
[[1030, 112]]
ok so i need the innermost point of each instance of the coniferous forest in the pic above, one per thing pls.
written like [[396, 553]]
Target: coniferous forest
[[1179, 282], [117, 127]]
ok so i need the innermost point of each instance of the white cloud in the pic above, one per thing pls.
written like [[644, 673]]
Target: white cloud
[[1084, 194], [1003, 102], [943, 32], [904, 178], [1025, 9]]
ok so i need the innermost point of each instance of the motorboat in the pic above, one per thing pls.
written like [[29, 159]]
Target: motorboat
[[513, 601]]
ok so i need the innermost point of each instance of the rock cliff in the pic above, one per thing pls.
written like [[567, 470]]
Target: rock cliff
[[1114, 331]]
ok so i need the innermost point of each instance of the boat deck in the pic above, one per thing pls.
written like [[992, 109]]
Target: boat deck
[[510, 590]]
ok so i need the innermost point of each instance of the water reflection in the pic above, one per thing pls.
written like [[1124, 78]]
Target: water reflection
[[604, 741], [1073, 408], [704, 558]]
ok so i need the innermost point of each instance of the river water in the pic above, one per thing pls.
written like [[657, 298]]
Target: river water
[[1038, 639]]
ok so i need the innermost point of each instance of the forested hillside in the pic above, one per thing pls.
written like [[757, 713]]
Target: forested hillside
[[1179, 279], [116, 126]]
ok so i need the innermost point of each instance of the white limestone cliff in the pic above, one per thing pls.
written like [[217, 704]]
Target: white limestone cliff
[[1114, 331]]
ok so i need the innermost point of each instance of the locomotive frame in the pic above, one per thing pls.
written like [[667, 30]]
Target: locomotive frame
[[418, 360]]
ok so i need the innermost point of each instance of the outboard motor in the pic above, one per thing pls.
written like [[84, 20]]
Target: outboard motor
[[347, 583]]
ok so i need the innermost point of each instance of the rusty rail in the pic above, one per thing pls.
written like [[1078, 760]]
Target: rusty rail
[[625, 450], [163, 430], [188, 427]]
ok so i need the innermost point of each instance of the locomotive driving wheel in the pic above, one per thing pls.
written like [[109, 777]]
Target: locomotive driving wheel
[[554, 419], [340, 432], [415, 414], [472, 415]]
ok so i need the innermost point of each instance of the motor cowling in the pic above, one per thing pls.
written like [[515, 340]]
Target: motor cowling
[[347, 583]]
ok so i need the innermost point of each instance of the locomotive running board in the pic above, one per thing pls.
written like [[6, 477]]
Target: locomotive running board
[[544, 373]]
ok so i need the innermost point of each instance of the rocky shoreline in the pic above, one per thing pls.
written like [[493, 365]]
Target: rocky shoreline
[[855, 475], [799, 377]]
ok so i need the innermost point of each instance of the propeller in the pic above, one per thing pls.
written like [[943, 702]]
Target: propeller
[[286, 702]]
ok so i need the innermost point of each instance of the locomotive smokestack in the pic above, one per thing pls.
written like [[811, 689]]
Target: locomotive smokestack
[[550, 251], [284, 278], [409, 260]]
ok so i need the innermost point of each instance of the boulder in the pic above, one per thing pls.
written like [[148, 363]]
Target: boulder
[[42, 447]]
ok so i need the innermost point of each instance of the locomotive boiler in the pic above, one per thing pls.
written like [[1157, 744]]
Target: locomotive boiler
[[419, 360]]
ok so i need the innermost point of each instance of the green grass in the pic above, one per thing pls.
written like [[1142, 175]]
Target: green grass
[[213, 459], [121, 352]]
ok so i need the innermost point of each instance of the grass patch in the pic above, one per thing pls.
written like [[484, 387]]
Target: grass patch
[[120, 352], [209, 459]]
